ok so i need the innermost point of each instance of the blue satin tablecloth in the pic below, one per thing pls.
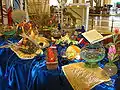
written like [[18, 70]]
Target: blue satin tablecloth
[[18, 74]]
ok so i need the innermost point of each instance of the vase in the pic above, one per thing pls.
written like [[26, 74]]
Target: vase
[[110, 69], [92, 53]]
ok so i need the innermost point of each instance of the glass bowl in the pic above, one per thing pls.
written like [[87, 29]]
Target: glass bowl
[[92, 53]]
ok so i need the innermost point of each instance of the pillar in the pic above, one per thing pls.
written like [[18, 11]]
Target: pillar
[[107, 2], [75, 1], [79, 1], [1, 12], [21, 5], [4, 12]]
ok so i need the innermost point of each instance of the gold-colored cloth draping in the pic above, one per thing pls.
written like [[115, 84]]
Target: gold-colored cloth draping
[[83, 78]]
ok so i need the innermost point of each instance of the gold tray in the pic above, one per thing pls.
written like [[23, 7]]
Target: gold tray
[[22, 55], [83, 78]]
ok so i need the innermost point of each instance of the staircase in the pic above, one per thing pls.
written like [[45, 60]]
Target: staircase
[[74, 14]]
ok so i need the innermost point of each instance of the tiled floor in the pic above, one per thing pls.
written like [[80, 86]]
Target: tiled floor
[[104, 24]]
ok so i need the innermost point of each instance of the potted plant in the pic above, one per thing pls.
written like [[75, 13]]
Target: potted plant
[[112, 54]]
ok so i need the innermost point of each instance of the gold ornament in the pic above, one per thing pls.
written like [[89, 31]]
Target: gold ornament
[[73, 52]]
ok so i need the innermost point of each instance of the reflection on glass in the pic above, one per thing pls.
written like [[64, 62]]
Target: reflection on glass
[[92, 53]]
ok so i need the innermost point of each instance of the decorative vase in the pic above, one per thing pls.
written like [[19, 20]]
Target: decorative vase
[[92, 53], [110, 68]]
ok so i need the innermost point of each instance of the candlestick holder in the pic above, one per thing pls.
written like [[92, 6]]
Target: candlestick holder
[[52, 65]]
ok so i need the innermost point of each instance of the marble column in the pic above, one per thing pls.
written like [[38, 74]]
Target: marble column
[[107, 2], [79, 1], [98, 2], [4, 12], [75, 1], [21, 4]]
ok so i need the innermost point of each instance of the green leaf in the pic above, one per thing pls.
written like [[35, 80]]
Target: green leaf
[[117, 42], [115, 38], [116, 57], [109, 44]]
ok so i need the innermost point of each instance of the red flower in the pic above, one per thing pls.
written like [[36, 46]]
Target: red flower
[[26, 26], [78, 39], [116, 30]]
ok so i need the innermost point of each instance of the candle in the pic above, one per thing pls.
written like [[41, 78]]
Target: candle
[[32, 34], [30, 25], [9, 16], [51, 54]]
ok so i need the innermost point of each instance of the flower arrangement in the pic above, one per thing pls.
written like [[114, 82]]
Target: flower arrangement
[[112, 50], [18, 16], [39, 13], [66, 39], [112, 54], [110, 68]]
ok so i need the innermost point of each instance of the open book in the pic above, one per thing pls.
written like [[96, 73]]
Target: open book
[[93, 36]]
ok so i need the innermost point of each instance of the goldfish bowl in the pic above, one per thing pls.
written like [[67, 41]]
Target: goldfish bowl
[[92, 54]]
